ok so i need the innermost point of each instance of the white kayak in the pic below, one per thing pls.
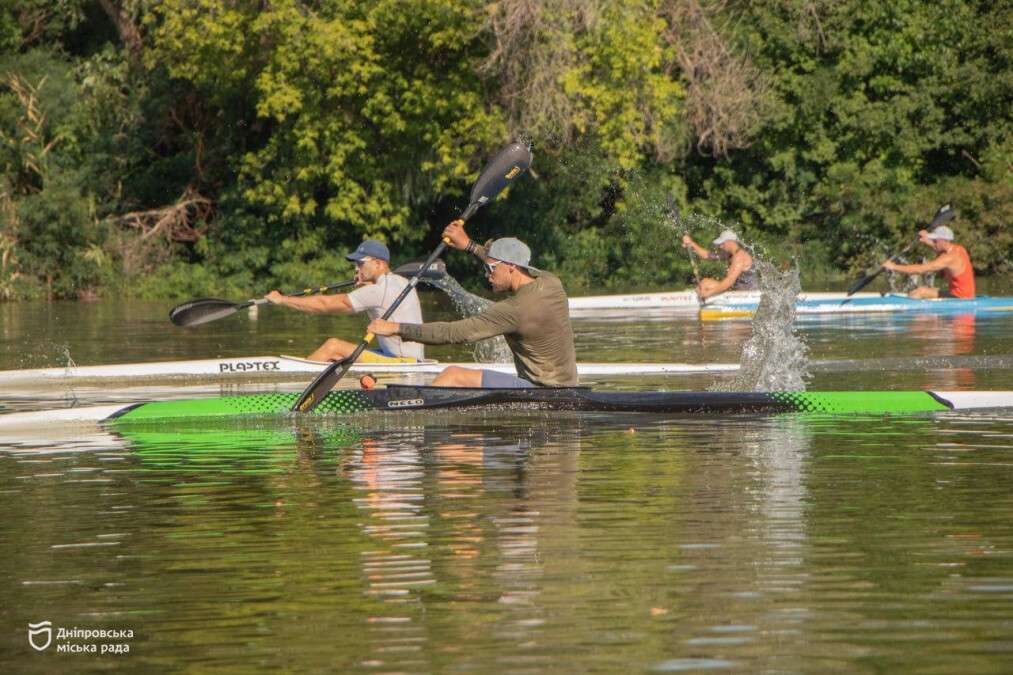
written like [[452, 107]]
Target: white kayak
[[743, 304], [280, 367], [877, 304], [687, 300]]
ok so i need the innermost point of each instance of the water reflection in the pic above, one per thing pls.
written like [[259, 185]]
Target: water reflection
[[471, 501], [948, 336], [515, 540]]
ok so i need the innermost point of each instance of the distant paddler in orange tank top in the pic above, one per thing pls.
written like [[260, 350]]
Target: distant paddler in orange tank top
[[952, 261]]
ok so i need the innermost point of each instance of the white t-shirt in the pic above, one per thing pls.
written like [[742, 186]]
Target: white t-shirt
[[375, 298]]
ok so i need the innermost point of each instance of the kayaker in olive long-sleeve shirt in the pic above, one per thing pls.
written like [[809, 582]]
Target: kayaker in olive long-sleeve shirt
[[535, 320]]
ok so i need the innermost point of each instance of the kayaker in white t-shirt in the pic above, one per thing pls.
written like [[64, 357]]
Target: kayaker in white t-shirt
[[378, 288]]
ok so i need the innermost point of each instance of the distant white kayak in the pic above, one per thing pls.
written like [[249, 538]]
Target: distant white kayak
[[890, 303], [743, 304], [277, 367], [687, 300]]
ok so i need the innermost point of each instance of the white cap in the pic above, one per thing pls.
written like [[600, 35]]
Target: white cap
[[727, 235], [941, 232]]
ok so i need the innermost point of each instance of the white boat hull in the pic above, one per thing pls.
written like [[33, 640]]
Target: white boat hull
[[281, 367], [687, 300]]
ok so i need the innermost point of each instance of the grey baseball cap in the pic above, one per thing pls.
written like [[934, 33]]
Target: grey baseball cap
[[727, 235], [941, 232], [513, 251], [371, 248]]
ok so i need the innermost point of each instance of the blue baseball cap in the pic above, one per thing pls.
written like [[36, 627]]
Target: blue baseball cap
[[371, 248]]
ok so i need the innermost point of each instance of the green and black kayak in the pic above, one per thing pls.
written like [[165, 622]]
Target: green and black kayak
[[396, 398]]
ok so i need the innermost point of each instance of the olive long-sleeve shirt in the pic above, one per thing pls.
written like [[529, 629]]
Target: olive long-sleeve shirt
[[535, 322]]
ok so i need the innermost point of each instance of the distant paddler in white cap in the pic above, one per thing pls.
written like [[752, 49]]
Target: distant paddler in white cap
[[535, 320], [740, 275], [952, 260]]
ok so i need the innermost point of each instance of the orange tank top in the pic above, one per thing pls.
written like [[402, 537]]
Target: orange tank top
[[961, 285]]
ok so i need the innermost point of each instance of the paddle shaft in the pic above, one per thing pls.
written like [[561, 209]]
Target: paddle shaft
[[198, 312], [865, 281], [412, 283], [675, 215], [692, 262], [400, 271], [326, 380], [508, 163], [944, 215], [305, 291]]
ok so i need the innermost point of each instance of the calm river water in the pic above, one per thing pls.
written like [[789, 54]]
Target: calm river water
[[512, 542]]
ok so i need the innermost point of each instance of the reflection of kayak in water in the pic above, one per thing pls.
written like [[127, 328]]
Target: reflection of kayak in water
[[400, 398], [727, 308], [226, 448]]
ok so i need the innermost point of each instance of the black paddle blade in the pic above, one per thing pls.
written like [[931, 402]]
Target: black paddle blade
[[196, 312], [863, 282], [501, 171], [437, 270], [944, 215]]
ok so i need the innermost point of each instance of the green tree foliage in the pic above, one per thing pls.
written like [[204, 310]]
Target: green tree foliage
[[187, 146], [47, 225], [880, 105], [365, 111]]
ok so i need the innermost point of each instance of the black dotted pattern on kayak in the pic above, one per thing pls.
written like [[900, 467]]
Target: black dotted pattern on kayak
[[344, 402], [336, 402], [798, 402]]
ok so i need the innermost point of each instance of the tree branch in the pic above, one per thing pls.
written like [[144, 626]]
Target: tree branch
[[129, 34]]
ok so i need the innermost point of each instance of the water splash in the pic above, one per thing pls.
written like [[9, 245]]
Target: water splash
[[902, 284], [703, 228], [491, 350], [69, 395], [68, 360], [699, 223], [774, 358]]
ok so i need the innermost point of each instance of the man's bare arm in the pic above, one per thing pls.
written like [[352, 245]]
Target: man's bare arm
[[937, 265], [315, 304], [701, 252]]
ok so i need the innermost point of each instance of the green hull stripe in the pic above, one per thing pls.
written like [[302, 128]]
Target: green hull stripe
[[336, 402], [860, 401]]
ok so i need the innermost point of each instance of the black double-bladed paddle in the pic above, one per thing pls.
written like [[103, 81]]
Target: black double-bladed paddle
[[511, 162], [944, 215], [205, 310]]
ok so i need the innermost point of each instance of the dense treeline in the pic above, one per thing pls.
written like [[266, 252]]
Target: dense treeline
[[197, 146]]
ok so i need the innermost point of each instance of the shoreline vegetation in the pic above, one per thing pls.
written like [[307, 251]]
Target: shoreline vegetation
[[186, 148]]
